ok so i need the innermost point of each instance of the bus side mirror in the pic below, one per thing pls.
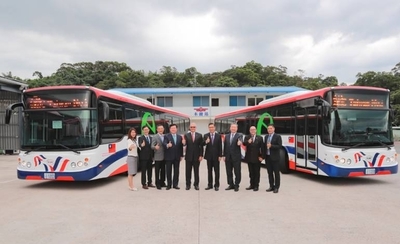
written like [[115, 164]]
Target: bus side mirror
[[106, 111], [9, 111]]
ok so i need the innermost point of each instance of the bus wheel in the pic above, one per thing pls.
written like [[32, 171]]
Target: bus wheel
[[284, 161]]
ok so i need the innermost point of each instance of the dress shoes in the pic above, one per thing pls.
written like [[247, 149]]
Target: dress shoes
[[168, 188], [276, 190], [163, 185], [249, 188], [176, 187], [255, 189], [216, 188], [229, 188], [236, 188], [151, 185], [187, 188], [208, 187], [196, 188], [145, 187], [159, 187], [269, 189]]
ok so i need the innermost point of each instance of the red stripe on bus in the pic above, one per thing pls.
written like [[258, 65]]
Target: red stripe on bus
[[120, 170]]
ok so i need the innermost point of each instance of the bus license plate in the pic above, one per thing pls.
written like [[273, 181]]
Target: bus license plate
[[49, 176], [369, 171]]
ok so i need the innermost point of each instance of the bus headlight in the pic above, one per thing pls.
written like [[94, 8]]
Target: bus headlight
[[392, 159], [80, 164], [348, 161], [85, 163], [73, 164], [342, 160], [28, 164], [23, 163]]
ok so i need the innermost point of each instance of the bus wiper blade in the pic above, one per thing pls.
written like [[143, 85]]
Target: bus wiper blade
[[62, 145], [35, 149], [383, 144], [357, 145]]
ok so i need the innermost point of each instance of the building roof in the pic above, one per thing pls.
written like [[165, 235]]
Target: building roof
[[210, 90], [7, 84]]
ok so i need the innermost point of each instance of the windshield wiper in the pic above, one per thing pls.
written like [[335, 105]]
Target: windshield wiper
[[62, 145], [356, 145], [35, 149], [382, 144]]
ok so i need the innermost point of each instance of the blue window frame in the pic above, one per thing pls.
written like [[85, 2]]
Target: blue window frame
[[201, 101], [237, 101]]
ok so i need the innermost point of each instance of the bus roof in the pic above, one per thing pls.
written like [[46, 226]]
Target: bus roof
[[210, 90], [115, 95], [293, 97]]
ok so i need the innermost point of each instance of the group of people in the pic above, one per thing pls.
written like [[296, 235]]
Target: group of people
[[167, 152]]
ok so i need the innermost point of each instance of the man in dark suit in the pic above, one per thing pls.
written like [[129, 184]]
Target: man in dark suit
[[213, 155], [273, 143], [233, 157], [254, 155], [173, 154], [146, 155], [194, 155]]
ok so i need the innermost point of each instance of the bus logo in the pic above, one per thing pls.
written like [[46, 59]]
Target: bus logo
[[148, 120], [261, 124]]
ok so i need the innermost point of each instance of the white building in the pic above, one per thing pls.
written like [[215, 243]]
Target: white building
[[203, 103]]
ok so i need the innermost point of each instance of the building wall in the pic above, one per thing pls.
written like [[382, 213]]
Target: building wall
[[9, 134]]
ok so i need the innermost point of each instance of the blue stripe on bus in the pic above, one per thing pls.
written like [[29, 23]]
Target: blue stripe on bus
[[334, 171], [82, 175]]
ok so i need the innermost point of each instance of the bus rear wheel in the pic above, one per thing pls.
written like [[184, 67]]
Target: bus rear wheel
[[283, 161]]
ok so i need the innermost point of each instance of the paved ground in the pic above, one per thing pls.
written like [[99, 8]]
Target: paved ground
[[308, 209]]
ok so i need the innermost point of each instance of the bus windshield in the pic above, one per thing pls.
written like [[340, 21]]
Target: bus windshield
[[349, 127], [60, 129]]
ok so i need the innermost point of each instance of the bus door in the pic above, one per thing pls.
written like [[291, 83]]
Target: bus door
[[306, 122]]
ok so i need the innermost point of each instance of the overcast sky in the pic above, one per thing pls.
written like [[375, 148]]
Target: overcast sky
[[333, 37]]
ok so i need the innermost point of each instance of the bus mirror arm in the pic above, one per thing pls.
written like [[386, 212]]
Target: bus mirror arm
[[326, 107], [106, 111], [9, 110]]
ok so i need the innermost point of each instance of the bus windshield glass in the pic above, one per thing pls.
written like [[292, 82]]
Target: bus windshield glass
[[349, 127], [60, 129]]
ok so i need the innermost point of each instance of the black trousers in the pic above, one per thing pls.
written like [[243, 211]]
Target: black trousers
[[213, 164], [159, 170], [146, 168], [254, 173], [273, 173], [175, 180], [233, 166], [195, 166]]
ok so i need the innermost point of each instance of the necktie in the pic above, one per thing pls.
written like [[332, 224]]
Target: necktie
[[174, 136], [148, 139], [162, 138], [193, 136], [268, 141], [212, 138], [232, 135], [253, 139]]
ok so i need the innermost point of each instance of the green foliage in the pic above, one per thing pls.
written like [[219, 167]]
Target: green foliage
[[111, 74]]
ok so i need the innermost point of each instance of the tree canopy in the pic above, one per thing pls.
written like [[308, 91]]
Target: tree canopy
[[112, 74]]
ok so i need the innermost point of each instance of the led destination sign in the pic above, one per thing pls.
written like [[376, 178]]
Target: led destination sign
[[359, 100], [36, 102]]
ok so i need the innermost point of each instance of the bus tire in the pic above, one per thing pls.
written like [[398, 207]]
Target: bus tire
[[283, 161]]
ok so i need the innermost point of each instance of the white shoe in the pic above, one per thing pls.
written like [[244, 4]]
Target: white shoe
[[133, 189]]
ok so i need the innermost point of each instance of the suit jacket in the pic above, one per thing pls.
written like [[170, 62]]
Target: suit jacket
[[158, 154], [213, 149], [145, 153], [276, 145], [175, 152], [194, 149], [254, 149], [232, 150]]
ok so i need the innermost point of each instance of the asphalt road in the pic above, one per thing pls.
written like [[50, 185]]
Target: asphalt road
[[308, 209]]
